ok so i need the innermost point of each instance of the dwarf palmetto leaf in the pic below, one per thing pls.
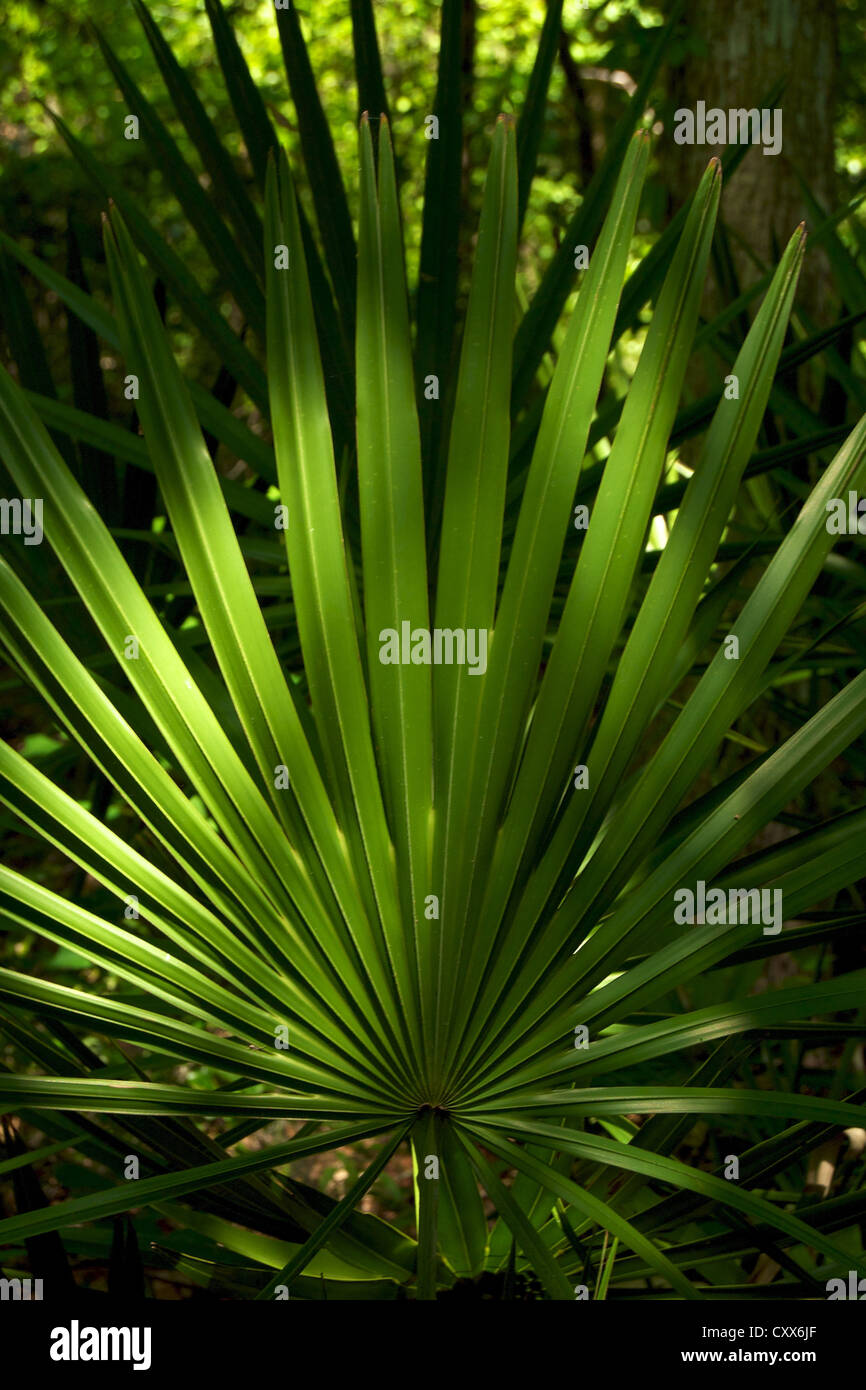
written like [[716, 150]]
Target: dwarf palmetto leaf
[[374, 901]]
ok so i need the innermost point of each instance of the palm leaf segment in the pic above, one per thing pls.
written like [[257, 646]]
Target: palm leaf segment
[[395, 908]]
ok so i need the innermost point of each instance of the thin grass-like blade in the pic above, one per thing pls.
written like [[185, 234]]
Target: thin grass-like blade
[[583, 1201], [440, 237], [229, 192], [534, 333], [325, 608], [393, 541], [471, 530], [341, 1212], [323, 169], [178, 1184], [545, 512]]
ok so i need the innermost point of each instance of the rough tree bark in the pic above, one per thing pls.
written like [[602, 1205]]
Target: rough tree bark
[[749, 45]]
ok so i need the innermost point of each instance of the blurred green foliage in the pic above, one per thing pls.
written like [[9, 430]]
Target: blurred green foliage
[[48, 54]]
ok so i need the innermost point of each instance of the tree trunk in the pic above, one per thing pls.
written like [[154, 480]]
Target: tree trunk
[[747, 45]]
